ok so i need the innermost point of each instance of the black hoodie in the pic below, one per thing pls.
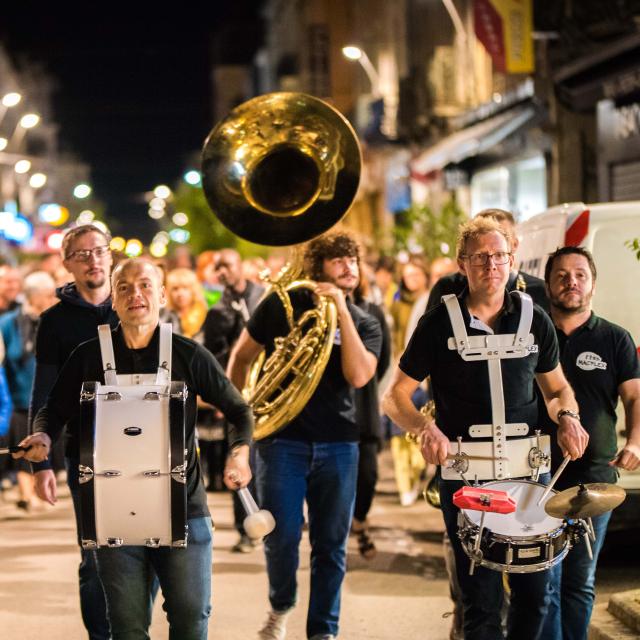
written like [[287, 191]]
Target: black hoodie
[[62, 328]]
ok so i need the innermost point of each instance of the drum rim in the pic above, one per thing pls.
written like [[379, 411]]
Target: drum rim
[[523, 568]]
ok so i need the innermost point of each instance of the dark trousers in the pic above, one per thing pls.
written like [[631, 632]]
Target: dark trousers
[[367, 479], [482, 593], [93, 604]]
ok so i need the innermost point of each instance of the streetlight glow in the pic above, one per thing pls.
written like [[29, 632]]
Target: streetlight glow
[[157, 203], [11, 99], [22, 166], [81, 191], [156, 214], [162, 191], [38, 180], [85, 217], [158, 249], [192, 177], [29, 120], [101, 225], [352, 52], [117, 244], [133, 248], [180, 219]]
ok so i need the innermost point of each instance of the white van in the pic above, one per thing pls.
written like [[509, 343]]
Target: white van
[[603, 229]]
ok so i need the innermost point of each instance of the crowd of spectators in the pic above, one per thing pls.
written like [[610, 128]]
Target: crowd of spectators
[[209, 299]]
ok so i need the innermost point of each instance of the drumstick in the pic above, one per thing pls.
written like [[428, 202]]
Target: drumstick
[[13, 449], [456, 456], [556, 475]]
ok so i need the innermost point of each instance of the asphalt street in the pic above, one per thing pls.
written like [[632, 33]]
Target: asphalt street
[[401, 593]]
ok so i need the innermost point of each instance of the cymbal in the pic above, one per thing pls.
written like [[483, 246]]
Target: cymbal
[[585, 501]]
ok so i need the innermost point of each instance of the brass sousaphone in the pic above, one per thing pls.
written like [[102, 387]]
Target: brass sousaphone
[[279, 170]]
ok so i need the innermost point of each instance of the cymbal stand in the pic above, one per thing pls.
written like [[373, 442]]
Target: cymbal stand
[[477, 554]]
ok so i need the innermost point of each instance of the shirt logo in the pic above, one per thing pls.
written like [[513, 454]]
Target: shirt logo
[[336, 338], [533, 348], [588, 361]]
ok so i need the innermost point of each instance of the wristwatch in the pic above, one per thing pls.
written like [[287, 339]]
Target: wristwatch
[[569, 412]]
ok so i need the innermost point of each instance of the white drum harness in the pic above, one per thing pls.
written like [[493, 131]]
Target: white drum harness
[[527, 456]]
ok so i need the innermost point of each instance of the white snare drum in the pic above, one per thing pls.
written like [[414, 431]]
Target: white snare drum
[[524, 541], [132, 465]]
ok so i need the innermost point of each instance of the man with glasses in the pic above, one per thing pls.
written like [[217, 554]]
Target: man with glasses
[[462, 398], [518, 280], [455, 283], [84, 304]]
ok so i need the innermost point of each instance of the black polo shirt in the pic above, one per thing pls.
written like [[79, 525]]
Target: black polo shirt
[[329, 416], [596, 358], [461, 389]]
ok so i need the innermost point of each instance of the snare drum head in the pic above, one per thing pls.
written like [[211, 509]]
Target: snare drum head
[[527, 520]]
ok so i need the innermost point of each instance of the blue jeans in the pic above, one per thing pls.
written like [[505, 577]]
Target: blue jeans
[[93, 605], [482, 593], [572, 588], [127, 574], [288, 471]]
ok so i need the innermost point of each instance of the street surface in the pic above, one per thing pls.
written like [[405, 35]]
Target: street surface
[[402, 593]]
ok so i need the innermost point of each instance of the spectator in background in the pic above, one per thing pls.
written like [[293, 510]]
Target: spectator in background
[[206, 272], [222, 327], [186, 298], [369, 422], [385, 280], [408, 306], [275, 262], [5, 417], [440, 267], [10, 287], [252, 268], [18, 329]]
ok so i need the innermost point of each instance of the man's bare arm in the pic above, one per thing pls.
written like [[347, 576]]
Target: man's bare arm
[[242, 356], [397, 404], [629, 457]]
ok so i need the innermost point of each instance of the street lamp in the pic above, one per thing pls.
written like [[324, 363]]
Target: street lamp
[[81, 191], [9, 100], [28, 121], [355, 53]]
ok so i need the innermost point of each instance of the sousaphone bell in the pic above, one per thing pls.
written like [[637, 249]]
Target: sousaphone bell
[[279, 170]]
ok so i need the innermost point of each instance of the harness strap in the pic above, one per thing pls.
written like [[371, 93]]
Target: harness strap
[[163, 375], [106, 353]]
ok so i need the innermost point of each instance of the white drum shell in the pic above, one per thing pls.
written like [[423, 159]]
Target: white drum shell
[[132, 507], [525, 541]]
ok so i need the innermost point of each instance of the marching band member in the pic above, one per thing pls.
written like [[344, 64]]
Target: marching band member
[[315, 456], [601, 363], [126, 572], [84, 304], [462, 398]]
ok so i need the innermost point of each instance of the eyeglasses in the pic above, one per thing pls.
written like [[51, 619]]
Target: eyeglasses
[[84, 255], [481, 259]]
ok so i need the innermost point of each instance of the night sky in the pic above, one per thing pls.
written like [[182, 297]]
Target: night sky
[[133, 97]]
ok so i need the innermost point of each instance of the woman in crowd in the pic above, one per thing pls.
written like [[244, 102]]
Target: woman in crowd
[[407, 307], [186, 298]]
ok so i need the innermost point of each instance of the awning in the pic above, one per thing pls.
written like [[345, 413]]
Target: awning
[[610, 72], [473, 140]]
